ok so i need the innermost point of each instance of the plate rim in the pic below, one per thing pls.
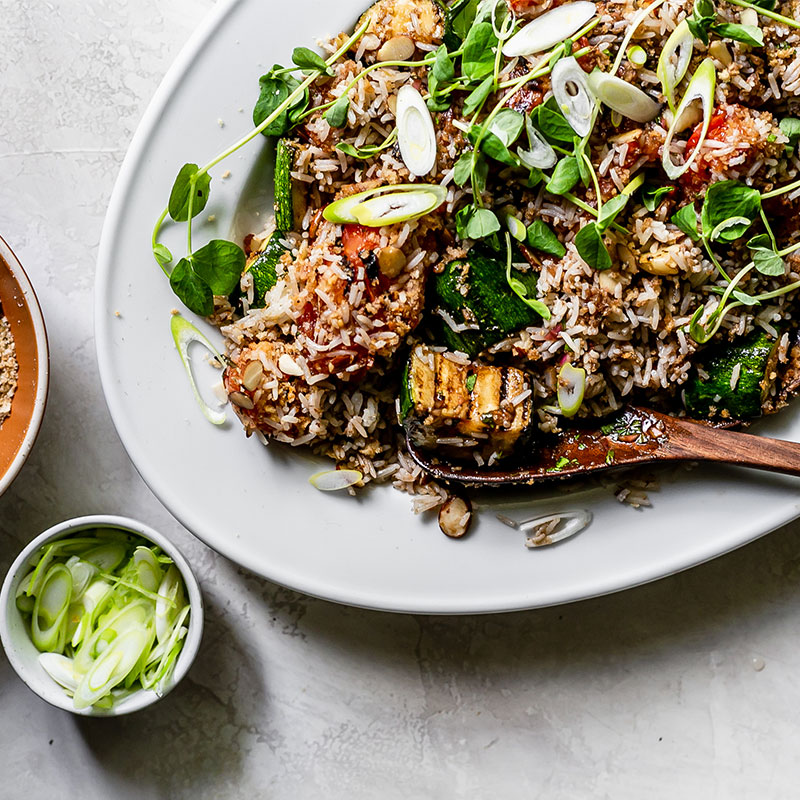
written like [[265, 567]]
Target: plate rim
[[294, 579]]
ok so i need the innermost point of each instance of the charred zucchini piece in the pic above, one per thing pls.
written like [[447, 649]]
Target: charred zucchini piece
[[473, 293], [739, 378], [290, 199], [468, 406], [263, 267]]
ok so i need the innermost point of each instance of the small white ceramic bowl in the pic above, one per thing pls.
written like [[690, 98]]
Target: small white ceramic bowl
[[24, 656]]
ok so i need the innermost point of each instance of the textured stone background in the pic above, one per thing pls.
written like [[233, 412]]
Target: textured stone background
[[649, 693]]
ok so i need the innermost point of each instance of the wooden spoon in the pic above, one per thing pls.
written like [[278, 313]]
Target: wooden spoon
[[637, 437]]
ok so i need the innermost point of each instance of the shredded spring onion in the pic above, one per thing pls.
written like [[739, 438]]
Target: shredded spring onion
[[549, 29], [573, 95], [638, 18], [102, 636], [416, 136], [679, 46], [183, 334], [701, 87], [540, 154], [637, 56], [623, 97]]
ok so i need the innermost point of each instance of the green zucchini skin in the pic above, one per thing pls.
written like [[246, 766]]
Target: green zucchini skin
[[284, 200], [263, 267], [713, 398], [474, 291]]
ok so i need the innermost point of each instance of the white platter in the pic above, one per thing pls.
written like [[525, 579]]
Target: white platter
[[254, 504]]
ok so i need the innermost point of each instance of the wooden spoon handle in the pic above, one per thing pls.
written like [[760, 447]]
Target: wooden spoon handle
[[696, 442]]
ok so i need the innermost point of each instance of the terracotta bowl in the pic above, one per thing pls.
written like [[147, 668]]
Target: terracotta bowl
[[19, 304]]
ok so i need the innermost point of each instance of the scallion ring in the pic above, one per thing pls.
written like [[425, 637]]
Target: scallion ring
[[416, 136], [549, 29], [573, 95], [623, 97], [679, 45], [571, 389], [701, 87]]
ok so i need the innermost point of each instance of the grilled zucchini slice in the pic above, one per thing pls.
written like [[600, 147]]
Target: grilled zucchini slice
[[464, 406], [474, 295], [263, 267], [290, 199], [740, 375]]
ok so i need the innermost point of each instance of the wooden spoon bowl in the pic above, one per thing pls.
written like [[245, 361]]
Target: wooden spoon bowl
[[18, 303]]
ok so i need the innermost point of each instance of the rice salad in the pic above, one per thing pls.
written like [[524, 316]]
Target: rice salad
[[495, 218]]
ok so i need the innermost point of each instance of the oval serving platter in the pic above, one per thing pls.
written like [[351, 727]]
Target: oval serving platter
[[255, 504]]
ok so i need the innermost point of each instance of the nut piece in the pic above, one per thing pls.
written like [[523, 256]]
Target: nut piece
[[288, 366], [662, 262], [241, 400], [718, 50], [455, 516], [609, 281], [398, 48], [391, 261], [252, 375]]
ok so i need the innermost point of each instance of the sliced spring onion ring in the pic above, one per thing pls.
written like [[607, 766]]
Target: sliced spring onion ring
[[638, 18], [516, 227], [573, 94], [571, 388], [389, 209], [549, 29], [82, 572], [701, 87], [637, 56], [679, 45], [540, 155], [341, 211], [623, 97], [416, 136], [49, 620], [184, 333], [170, 601], [61, 669], [331, 480], [106, 557], [148, 570]]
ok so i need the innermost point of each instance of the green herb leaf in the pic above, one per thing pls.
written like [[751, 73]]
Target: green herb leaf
[[652, 195], [220, 264], [477, 97], [369, 150], [494, 148], [591, 247], [191, 289], [701, 20], [725, 200], [308, 59], [686, 219], [565, 175], [274, 90], [162, 254], [476, 223], [766, 260], [535, 177], [610, 210], [480, 174], [440, 76], [477, 60], [507, 126], [463, 168], [552, 124], [749, 34], [188, 182], [470, 382], [336, 115], [541, 237], [790, 127], [584, 168]]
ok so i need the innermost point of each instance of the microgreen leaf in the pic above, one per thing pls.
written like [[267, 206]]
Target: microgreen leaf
[[440, 76], [308, 59], [507, 126], [369, 150], [725, 200], [584, 168], [790, 127], [162, 254], [220, 264], [766, 260], [552, 124], [749, 34], [565, 175], [275, 88], [476, 223], [591, 247], [541, 237], [520, 289], [477, 60], [476, 98], [610, 210], [702, 18], [188, 182], [686, 219], [336, 115], [463, 168], [652, 196], [191, 289], [494, 148]]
